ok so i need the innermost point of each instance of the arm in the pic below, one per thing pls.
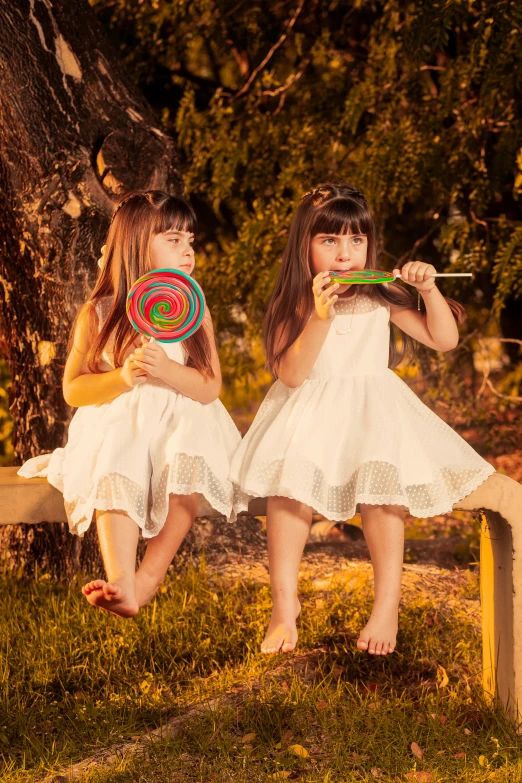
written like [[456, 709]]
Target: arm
[[83, 387], [437, 328], [187, 380], [297, 361]]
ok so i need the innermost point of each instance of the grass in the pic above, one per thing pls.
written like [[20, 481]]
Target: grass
[[74, 681]]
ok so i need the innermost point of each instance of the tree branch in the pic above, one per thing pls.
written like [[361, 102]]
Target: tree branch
[[272, 51]]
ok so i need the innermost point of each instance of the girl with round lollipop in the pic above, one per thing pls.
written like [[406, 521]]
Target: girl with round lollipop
[[150, 435], [339, 428]]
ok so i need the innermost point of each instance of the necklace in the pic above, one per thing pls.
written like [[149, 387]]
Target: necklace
[[346, 331]]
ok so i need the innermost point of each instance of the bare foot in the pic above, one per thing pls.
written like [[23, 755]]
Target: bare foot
[[379, 635], [111, 596], [146, 586], [281, 635]]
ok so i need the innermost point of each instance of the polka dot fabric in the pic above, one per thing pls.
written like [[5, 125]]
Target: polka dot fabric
[[354, 432], [131, 453]]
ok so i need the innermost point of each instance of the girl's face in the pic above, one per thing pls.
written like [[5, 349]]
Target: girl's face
[[329, 252], [173, 250]]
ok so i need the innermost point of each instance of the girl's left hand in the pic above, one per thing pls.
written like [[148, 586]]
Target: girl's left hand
[[417, 274], [151, 357]]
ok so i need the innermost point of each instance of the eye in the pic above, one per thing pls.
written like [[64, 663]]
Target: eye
[[174, 239], [327, 240], [358, 240]]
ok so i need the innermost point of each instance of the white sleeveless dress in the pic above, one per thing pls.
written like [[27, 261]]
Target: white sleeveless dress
[[130, 453], [354, 432]]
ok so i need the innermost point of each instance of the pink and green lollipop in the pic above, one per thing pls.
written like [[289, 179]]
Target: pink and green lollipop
[[358, 276], [166, 304]]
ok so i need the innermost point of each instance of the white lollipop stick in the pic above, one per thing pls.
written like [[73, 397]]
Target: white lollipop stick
[[451, 274]]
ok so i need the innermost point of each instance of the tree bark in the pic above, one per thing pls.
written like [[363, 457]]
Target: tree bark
[[74, 135]]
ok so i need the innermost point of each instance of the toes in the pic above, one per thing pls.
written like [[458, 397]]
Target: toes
[[378, 648], [362, 644], [110, 590]]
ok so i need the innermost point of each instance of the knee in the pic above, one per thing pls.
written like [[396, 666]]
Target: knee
[[186, 503]]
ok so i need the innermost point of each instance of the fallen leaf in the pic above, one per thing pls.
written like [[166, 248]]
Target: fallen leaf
[[459, 755], [376, 772], [416, 750], [287, 735], [372, 686], [444, 679], [322, 705], [483, 761], [442, 719], [284, 686], [373, 705], [299, 751], [278, 746], [418, 777], [248, 737], [467, 731], [359, 756], [338, 670], [281, 775]]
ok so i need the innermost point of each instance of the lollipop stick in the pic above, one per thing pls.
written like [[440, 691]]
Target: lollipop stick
[[451, 274]]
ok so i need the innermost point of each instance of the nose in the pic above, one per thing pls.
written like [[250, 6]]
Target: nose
[[343, 253]]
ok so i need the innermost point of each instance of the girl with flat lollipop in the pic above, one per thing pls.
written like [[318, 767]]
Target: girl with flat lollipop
[[150, 434], [339, 428]]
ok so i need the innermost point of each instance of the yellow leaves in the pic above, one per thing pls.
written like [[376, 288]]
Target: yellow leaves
[[248, 737], [418, 777], [299, 751], [442, 677], [281, 775], [482, 760]]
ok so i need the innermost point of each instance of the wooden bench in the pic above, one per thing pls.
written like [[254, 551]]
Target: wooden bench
[[499, 501]]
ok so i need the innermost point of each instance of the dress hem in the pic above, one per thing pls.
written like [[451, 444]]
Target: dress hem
[[398, 500]]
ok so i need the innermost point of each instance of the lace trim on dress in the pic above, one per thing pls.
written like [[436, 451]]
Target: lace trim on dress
[[186, 475], [375, 483]]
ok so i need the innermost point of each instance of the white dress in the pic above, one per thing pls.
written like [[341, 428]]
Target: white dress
[[354, 432], [130, 453]]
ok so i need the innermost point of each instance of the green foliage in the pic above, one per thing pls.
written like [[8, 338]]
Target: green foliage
[[417, 103]]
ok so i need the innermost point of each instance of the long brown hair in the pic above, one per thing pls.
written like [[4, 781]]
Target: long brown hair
[[138, 218], [332, 208]]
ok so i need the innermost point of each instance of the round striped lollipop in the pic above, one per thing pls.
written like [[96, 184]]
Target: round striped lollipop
[[166, 304], [362, 276], [357, 276]]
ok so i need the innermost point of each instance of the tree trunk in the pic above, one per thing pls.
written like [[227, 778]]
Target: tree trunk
[[74, 135]]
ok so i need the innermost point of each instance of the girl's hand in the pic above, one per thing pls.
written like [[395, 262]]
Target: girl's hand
[[324, 297], [417, 274], [132, 374], [150, 356]]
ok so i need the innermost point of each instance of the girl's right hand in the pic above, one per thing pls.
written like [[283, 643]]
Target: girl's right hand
[[324, 298], [131, 374]]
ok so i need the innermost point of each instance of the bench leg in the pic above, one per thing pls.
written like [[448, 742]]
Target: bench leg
[[501, 660]]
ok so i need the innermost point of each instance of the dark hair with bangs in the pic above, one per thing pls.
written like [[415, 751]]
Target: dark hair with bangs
[[137, 219], [332, 208]]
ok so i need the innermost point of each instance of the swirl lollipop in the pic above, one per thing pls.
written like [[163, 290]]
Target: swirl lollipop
[[358, 276], [166, 304]]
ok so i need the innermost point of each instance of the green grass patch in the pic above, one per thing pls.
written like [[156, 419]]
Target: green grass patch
[[75, 680]]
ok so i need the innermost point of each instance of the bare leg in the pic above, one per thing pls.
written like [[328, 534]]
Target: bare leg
[[162, 548], [287, 526], [118, 537], [383, 528]]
